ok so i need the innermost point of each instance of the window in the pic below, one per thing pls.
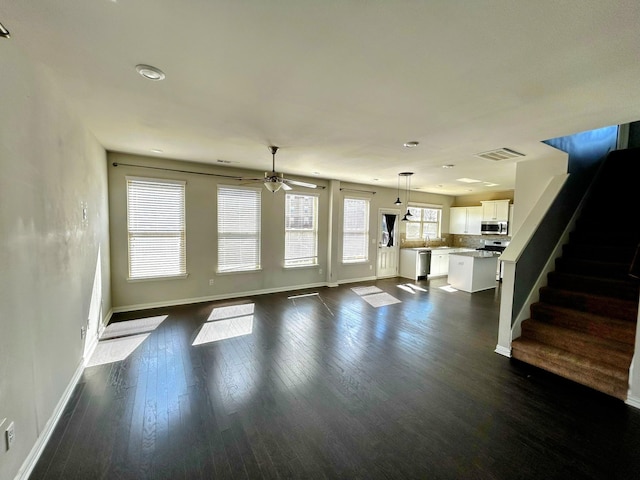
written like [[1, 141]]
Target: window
[[156, 228], [423, 223], [238, 229], [355, 234], [301, 230]]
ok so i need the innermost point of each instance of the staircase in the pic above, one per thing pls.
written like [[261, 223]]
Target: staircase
[[583, 328]]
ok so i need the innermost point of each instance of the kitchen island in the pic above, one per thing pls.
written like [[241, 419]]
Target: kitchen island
[[473, 271]]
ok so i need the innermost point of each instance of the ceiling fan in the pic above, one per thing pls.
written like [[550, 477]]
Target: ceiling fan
[[273, 180]]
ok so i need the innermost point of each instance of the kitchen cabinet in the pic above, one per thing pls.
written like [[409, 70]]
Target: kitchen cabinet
[[439, 264], [473, 271], [465, 220], [415, 263], [440, 260], [495, 210]]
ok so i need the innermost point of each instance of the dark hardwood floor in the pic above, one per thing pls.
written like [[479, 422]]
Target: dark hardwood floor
[[328, 386]]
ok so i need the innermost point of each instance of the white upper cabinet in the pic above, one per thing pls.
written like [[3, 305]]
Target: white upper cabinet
[[465, 220], [497, 210]]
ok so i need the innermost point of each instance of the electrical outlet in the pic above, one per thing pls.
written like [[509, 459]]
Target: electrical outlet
[[320, 272], [10, 433], [211, 281], [83, 332]]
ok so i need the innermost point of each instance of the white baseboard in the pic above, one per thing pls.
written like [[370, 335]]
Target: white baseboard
[[30, 462], [356, 280], [503, 351], [213, 298], [633, 401]]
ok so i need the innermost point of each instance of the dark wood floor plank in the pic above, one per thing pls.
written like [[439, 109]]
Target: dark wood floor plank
[[329, 387]]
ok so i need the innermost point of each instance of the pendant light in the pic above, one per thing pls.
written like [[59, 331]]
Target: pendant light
[[407, 176], [398, 202]]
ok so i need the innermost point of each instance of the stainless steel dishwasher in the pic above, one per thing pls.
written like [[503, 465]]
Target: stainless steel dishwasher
[[424, 264]]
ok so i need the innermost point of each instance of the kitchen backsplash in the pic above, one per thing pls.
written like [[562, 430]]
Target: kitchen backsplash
[[433, 242], [475, 241], [451, 240]]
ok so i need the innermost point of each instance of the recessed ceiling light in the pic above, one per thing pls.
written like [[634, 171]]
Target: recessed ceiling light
[[150, 73], [376, 179], [488, 184], [316, 173], [468, 180], [156, 150], [449, 165], [411, 144]]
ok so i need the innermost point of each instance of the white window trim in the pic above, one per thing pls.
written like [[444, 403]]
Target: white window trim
[[430, 206], [316, 218], [235, 272], [183, 183], [359, 261]]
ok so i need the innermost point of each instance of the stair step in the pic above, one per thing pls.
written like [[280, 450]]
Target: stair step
[[600, 349], [597, 325], [597, 375], [597, 304], [590, 232], [593, 268], [603, 253], [625, 289]]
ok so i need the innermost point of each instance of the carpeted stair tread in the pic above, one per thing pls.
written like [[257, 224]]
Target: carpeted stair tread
[[594, 268], [625, 289], [600, 305], [592, 233], [601, 349], [597, 375], [608, 253], [598, 325], [584, 326]]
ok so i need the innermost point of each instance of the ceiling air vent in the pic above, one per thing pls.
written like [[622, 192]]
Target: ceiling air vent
[[500, 154]]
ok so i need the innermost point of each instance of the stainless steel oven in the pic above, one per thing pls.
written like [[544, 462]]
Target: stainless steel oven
[[497, 246], [493, 228]]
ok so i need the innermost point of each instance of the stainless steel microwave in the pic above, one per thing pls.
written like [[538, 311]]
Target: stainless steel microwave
[[493, 228]]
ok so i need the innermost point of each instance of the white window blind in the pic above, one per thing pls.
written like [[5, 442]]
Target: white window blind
[[424, 222], [301, 230], [238, 229], [156, 228], [355, 231]]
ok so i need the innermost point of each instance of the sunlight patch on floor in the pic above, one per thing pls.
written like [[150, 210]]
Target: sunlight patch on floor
[[226, 322], [365, 290], [224, 329], [120, 339], [132, 327], [448, 288], [411, 288], [116, 349], [380, 299]]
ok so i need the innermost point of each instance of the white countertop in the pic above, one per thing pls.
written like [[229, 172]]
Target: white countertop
[[477, 254]]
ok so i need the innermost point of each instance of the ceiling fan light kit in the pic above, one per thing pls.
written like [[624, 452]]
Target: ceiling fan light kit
[[274, 181]]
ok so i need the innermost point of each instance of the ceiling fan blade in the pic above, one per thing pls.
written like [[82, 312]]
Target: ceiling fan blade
[[301, 184], [285, 186]]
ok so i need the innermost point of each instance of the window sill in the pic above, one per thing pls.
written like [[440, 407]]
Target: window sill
[[358, 262], [235, 272], [301, 267], [153, 279]]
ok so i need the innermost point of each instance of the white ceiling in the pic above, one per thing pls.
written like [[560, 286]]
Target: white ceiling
[[340, 85]]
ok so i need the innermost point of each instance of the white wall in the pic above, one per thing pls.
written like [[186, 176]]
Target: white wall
[[532, 178], [49, 165], [201, 236]]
